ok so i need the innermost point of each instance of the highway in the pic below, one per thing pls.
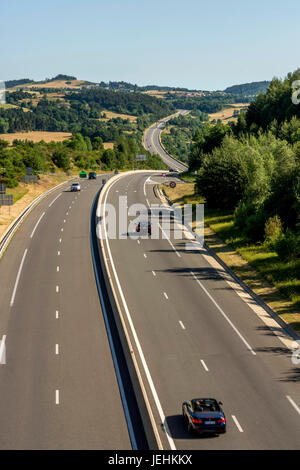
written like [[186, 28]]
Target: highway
[[58, 387], [153, 145], [194, 336]]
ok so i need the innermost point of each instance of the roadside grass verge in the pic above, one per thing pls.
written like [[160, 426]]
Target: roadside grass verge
[[277, 282], [17, 192], [188, 176]]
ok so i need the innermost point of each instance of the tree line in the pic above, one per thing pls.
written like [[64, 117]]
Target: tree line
[[80, 113], [78, 153], [253, 168]]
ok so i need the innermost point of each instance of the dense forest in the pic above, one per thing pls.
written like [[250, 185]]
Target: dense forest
[[80, 112], [137, 104], [208, 103], [12, 83], [253, 167], [248, 89], [179, 133]]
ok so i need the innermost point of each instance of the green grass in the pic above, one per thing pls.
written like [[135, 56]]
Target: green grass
[[188, 176], [285, 276]]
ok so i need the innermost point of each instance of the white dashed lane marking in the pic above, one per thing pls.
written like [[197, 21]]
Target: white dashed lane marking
[[237, 423]]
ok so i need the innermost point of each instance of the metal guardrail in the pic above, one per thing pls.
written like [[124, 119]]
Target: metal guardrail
[[171, 156]]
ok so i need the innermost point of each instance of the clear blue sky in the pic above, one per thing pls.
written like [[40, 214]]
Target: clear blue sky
[[192, 43]]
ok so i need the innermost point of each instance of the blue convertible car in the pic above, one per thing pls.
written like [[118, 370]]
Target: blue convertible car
[[203, 415]]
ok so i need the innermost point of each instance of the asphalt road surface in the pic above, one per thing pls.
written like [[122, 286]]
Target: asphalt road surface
[[58, 387], [194, 336], [152, 143]]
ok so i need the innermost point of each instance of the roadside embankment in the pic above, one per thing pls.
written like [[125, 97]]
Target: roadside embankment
[[274, 281]]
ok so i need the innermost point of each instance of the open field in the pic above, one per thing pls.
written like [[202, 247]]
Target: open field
[[112, 115], [275, 281], [36, 136], [8, 106], [108, 145], [227, 114], [55, 84], [155, 93]]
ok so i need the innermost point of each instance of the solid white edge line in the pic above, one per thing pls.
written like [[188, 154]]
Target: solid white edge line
[[166, 238], [137, 342], [35, 227], [18, 278], [113, 352], [55, 199], [237, 423], [293, 404], [144, 187], [224, 315], [3, 351]]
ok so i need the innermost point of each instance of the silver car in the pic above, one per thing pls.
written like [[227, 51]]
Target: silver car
[[75, 186]]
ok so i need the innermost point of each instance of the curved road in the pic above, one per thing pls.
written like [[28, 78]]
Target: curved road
[[195, 336], [153, 145], [58, 387]]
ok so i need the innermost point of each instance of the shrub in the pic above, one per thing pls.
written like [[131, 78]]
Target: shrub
[[221, 181], [255, 225], [61, 159], [288, 246], [273, 230], [241, 214]]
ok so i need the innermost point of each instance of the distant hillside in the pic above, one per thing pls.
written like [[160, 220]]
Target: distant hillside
[[12, 83], [63, 77], [248, 89]]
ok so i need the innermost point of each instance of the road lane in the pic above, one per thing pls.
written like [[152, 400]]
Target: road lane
[[251, 386], [153, 145], [58, 387]]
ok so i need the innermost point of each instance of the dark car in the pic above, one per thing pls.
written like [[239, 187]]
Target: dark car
[[144, 226], [116, 172], [92, 175], [204, 415]]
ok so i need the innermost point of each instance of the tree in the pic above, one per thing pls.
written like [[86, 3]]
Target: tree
[[61, 159]]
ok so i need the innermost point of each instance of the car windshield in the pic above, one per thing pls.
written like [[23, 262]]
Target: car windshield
[[205, 404]]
